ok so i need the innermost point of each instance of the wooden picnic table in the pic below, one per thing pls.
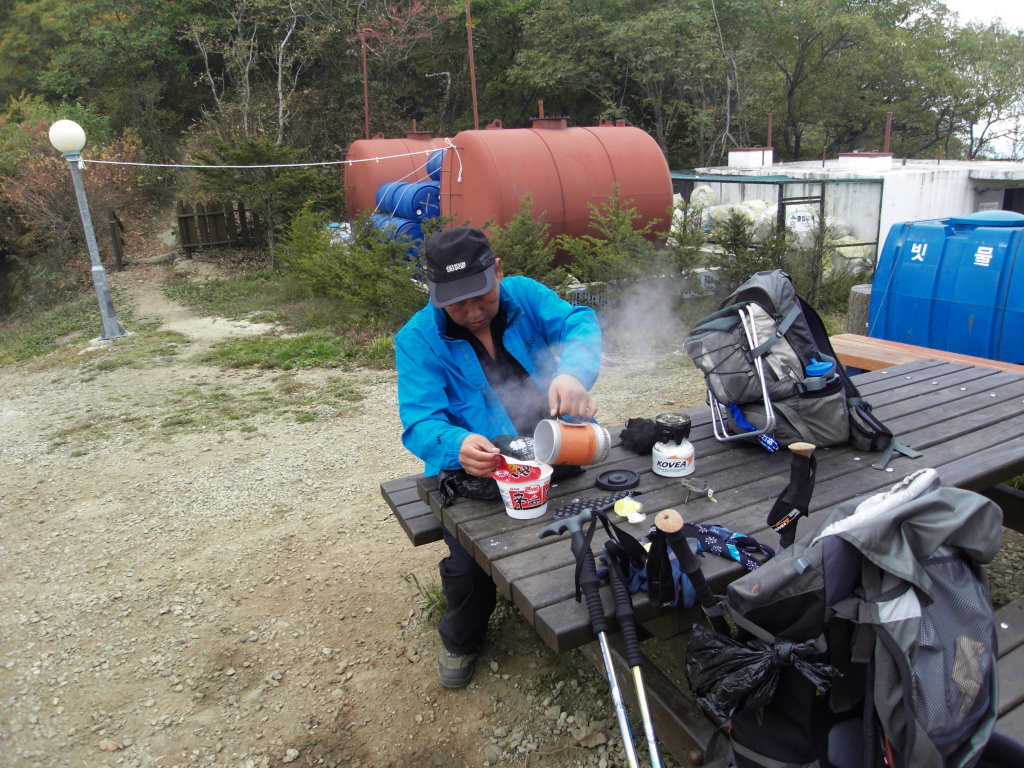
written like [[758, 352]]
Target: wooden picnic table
[[967, 421]]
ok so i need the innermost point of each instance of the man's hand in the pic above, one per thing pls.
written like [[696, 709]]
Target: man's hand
[[567, 396], [478, 456]]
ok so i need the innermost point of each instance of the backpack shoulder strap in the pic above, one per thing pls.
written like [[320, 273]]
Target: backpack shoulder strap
[[784, 326]]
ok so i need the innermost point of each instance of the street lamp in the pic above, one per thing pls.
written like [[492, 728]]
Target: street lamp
[[68, 137]]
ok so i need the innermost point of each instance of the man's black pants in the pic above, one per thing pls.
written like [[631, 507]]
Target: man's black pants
[[471, 598]]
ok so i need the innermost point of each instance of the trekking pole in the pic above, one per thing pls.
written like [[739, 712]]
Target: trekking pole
[[794, 500], [670, 522], [626, 617], [589, 583]]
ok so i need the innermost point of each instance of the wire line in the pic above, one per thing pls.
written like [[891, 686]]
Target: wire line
[[279, 165]]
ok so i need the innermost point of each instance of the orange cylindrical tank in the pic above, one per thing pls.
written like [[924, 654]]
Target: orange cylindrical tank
[[564, 170], [372, 162]]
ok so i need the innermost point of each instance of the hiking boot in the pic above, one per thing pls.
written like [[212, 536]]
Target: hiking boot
[[455, 671]]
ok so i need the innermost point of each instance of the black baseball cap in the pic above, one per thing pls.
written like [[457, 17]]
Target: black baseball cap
[[460, 265]]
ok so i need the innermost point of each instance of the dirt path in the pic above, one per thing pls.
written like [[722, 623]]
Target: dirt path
[[200, 571]]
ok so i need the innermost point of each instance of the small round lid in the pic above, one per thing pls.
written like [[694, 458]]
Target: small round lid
[[819, 367], [618, 479]]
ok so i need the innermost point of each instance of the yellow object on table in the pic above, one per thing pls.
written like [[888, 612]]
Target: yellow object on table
[[629, 508]]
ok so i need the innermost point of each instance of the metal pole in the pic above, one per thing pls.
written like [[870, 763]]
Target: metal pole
[[366, 87], [888, 131], [111, 328], [472, 68]]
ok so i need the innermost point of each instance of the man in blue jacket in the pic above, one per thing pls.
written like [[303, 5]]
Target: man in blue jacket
[[487, 356]]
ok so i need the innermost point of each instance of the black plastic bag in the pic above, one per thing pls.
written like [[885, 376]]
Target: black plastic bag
[[729, 676], [458, 482]]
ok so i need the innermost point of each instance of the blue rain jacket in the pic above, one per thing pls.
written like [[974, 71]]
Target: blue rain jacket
[[443, 394]]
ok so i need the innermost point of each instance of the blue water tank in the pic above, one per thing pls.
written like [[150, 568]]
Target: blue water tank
[[951, 284]]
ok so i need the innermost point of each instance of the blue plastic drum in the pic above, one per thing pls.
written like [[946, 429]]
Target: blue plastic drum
[[417, 200], [434, 163], [404, 230], [384, 194]]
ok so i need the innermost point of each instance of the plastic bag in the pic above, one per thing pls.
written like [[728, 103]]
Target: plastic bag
[[458, 482], [728, 676]]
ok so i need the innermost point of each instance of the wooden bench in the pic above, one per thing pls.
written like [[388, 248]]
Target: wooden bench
[[869, 354], [1010, 637], [407, 497]]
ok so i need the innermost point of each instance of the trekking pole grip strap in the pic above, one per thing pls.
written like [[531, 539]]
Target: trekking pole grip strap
[[589, 582]]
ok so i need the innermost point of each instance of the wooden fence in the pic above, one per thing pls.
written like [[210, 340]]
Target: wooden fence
[[216, 223], [117, 239]]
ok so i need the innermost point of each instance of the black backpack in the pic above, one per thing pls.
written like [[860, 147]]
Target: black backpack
[[772, 374], [868, 642]]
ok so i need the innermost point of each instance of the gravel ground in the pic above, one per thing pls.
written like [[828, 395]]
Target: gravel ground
[[199, 570]]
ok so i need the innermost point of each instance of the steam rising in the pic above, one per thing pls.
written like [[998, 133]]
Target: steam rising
[[645, 322]]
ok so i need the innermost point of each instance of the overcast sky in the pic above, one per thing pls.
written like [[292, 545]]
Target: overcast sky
[[1011, 11]]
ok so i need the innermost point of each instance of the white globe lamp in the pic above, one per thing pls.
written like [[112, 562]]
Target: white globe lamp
[[67, 136]]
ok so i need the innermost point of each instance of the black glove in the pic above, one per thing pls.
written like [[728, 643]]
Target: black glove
[[640, 435]]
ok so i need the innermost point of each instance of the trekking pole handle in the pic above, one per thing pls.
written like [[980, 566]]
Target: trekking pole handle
[[624, 613], [590, 584], [802, 449], [802, 452], [670, 522]]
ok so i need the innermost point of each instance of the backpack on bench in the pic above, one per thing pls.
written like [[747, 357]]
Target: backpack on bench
[[867, 643], [773, 376]]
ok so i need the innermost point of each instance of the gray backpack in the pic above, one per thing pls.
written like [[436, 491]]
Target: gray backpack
[[868, 642], [772, 374]]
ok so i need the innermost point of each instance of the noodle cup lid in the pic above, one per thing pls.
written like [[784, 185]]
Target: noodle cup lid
[[517, 471]]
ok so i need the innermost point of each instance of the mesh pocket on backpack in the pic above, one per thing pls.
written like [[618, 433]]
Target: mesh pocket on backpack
[[952, 670]]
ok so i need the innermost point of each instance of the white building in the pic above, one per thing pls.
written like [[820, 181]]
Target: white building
[[867, 192]]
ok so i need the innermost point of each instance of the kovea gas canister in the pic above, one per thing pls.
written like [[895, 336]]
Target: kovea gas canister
[[672, 455], [672, 459]]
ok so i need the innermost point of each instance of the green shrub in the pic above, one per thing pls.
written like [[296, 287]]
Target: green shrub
[[526, 247], [686, 238], [820, 273], [620, 252], [371, 275], [740, 255]]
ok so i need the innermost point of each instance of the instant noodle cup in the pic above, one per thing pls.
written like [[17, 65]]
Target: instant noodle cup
[[524, 487]]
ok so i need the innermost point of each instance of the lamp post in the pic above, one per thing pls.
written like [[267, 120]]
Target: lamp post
[[68, 137]]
